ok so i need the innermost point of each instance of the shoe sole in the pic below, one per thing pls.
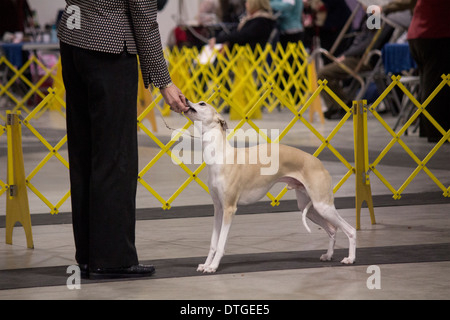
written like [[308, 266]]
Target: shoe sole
[[103, 276]]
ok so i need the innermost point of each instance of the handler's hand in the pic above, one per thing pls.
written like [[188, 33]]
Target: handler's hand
[[175, 99]]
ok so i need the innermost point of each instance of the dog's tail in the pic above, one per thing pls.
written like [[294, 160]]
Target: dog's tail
[[305, 211]]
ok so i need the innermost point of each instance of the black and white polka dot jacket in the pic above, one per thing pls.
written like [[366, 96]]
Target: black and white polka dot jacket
[[110, 25]]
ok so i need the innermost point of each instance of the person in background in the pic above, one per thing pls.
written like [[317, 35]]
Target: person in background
[[254, 28], [335, 74], [15, 15], [290, 20], [231, 10], [207, 13], [337, 14]]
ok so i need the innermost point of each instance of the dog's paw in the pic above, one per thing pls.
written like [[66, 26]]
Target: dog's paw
[[348, 260], [201, 267], [209, 269], [326, 257]]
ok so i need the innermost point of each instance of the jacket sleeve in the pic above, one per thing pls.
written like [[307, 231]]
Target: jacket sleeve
[[148, 42]]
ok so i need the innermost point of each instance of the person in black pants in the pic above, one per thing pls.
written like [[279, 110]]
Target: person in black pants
[[254, 28], [100, 73]]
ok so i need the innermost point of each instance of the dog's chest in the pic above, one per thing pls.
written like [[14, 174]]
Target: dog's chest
[[216, 178], [248, 196]]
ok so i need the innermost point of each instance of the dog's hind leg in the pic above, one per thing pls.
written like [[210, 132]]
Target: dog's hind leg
[[303, 200], [330, 230], [329, 213]]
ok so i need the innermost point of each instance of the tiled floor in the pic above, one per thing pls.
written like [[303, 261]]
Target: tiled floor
[[403, 238]]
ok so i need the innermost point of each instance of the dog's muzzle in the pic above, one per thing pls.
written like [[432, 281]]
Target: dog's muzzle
[[188, 103]]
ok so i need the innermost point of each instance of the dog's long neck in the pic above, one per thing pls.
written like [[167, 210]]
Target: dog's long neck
[[215, 145]]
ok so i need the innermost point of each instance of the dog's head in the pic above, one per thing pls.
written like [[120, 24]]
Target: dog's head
[[206, 114]]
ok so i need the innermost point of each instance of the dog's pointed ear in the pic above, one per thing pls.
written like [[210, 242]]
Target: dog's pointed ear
[[221, 121], [223, 124]]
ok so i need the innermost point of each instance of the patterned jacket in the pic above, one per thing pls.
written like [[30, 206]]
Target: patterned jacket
[[111, 25]]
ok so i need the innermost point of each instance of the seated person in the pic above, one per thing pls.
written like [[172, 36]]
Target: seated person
[[334, 74], [207, 13], [351, 57], [254, 28]]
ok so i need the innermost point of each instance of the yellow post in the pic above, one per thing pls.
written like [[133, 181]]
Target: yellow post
[[316, 106], [17, 207], [363, 190]]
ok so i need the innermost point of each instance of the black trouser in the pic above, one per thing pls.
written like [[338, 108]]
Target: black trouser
[[286, 38], [101, 95], [433, 60]]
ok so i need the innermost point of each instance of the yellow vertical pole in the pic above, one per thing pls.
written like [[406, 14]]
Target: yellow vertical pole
[[316, 106], [363, 190], [17, 207]]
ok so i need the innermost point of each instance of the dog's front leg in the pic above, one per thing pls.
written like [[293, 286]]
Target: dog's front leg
[[220, 250], [218, 217]]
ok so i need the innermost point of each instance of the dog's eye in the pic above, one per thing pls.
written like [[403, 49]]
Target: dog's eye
[[202, 104]]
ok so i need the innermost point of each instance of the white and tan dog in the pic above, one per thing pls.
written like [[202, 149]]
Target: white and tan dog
[[232, 182]]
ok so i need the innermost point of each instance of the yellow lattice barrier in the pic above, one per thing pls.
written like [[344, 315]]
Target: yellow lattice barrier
[[28, 87], [246, 118], [241, 73], [53, 151], [3, 185], [363, 190], [397, 136], [247, 81], [241, 79]]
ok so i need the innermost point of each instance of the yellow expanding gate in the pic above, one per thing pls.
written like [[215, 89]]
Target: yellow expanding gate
[[246, 82]]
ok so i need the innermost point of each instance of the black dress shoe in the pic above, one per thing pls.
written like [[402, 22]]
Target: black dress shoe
[[338, 115], [329, 113], [136, 271], [84, 270], [434, 139]]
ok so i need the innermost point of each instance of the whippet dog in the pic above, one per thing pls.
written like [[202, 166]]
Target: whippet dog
[[232, 183]]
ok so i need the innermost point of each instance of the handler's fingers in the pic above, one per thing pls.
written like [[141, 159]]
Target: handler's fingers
[[174, 98], [180, 103]]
